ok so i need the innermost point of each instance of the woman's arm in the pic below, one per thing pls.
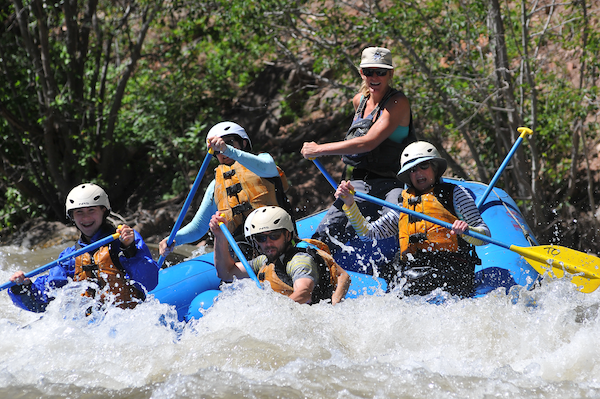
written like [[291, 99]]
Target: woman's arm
[[262, 164], [395, 113], [198, 227]]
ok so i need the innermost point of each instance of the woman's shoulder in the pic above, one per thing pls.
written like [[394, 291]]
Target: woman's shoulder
[[397, 98], [356, 100]]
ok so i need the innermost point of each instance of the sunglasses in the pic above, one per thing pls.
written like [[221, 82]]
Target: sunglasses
[[378, 72], [274, 236], [422, 166]]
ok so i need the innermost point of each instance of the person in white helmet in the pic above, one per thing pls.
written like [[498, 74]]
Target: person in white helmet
[[120, 272], [243, 182], [381, 128], [430, 256], [304, 272]]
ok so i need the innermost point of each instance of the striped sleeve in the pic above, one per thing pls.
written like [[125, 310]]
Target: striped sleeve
[[384, 227], [302, 265], [466, 210], [257, 263]]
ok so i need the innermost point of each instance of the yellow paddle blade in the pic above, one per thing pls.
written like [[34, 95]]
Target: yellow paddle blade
[[557, 260], [586, 285]]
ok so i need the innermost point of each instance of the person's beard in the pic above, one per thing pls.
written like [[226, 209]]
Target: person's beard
[[272, 253]]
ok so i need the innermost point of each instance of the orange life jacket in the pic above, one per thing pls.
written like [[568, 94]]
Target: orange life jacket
[[419, 235], [101, 269], [238, 192], [276, 275]]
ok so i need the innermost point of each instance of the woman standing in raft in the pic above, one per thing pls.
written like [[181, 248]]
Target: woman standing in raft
[[380, 130], [431, 256]]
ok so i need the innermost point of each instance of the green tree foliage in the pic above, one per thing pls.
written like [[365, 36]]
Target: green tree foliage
[[123, 93], [474, 72], [66, 67], [116, 93]]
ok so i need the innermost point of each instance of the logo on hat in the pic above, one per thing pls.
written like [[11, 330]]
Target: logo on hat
[[377, 56]]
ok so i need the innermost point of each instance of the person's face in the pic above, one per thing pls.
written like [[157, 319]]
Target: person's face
[[377, 79], [88, 220], [234, 141], [422, 176], [272, 243]]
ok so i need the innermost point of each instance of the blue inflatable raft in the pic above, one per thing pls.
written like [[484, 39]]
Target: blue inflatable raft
[[192, 286]]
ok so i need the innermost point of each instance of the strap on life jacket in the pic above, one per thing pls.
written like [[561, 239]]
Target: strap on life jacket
[[319, 251], [384, 160], [104, 268], [275, 273], [238, 191], [444, 194]]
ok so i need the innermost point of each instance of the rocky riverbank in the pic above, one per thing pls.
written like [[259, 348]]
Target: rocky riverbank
[[40, 233]]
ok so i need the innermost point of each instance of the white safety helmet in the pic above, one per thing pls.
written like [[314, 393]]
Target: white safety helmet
[[226, 128], [417, 152], [85, 195], [267, 218]]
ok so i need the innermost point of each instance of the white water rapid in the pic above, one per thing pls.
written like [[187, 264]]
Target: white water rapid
[[257, 344]]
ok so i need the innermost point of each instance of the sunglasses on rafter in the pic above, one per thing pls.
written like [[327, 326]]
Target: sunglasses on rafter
[[273, 236], [422, 166], [378, 72]]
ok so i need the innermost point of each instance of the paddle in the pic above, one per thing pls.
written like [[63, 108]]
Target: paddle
[[524, 132], [88, 248], [239, 253], [187, 203], [554, 259]]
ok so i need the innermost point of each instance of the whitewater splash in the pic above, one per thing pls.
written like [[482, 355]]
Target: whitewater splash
[[256, 343]]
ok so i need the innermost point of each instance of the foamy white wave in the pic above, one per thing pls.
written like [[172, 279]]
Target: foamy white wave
[[256, 343]]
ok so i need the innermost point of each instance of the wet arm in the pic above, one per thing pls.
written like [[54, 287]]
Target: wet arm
[[303, 288], [226, 267], [343, 283], [33, 296], [303, 271]]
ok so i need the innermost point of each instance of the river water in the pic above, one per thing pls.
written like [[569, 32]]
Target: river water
[[543, 343]]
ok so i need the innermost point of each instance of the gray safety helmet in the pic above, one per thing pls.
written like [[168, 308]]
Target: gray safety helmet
[[226, 128], [85, 195], [414, 154], [267, 218]]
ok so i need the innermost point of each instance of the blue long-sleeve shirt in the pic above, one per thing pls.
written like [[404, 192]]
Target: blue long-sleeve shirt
[[141, 269], [262, 165]]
